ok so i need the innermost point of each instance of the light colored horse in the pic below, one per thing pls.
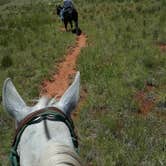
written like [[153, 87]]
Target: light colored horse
[[45, 142]]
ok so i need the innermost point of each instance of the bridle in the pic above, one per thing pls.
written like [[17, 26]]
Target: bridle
[[49, 113]]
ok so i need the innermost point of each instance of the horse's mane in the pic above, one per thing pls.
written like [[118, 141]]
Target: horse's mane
[[57, 154]]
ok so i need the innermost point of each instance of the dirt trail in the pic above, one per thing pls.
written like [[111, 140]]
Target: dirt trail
[[66, 70]]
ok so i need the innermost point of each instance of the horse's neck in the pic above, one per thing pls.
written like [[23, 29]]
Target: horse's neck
[[34, 141]]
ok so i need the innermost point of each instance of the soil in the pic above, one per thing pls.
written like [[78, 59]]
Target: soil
[[145, 103], [66, 71], [162, 47]]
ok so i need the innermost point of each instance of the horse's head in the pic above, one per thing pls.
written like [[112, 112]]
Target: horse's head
[[43, 126], [58, 9]]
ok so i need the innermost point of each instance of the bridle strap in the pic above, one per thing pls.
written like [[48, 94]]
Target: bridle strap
[[50, 113], [34, 114]]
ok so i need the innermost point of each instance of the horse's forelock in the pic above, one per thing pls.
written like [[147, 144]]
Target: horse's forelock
[[59, 154]]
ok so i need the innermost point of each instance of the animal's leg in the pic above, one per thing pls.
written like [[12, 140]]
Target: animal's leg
[[76, 26], [65, 23], [71, 24]]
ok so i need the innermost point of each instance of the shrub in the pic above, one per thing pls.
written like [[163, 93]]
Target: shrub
[[6, 61]]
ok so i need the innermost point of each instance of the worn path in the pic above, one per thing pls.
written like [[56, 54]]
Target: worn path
[[66, 70]]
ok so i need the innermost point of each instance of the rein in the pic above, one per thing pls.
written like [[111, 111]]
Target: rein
[[50, 113]]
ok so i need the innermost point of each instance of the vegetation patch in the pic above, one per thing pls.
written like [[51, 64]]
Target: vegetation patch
[[121, 58]]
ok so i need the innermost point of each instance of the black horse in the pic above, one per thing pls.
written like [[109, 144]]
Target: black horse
[[69, 15]]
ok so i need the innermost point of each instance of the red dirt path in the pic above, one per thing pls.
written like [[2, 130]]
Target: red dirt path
[[66, 69]]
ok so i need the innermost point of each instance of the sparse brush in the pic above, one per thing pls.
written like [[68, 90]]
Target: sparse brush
[[6, 61]]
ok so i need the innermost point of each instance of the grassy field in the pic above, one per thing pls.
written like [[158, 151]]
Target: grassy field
[[122, 54], [31, 43], [121, 57]]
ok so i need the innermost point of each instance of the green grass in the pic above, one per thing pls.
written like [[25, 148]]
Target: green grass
[[121, 55], [31, 43], [111, 138], [3, 2]]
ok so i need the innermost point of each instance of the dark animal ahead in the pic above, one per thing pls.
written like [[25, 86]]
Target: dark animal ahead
[[70, 15]]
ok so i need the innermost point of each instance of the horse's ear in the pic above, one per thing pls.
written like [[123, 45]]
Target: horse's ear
[[70, 98], [12, 101]]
